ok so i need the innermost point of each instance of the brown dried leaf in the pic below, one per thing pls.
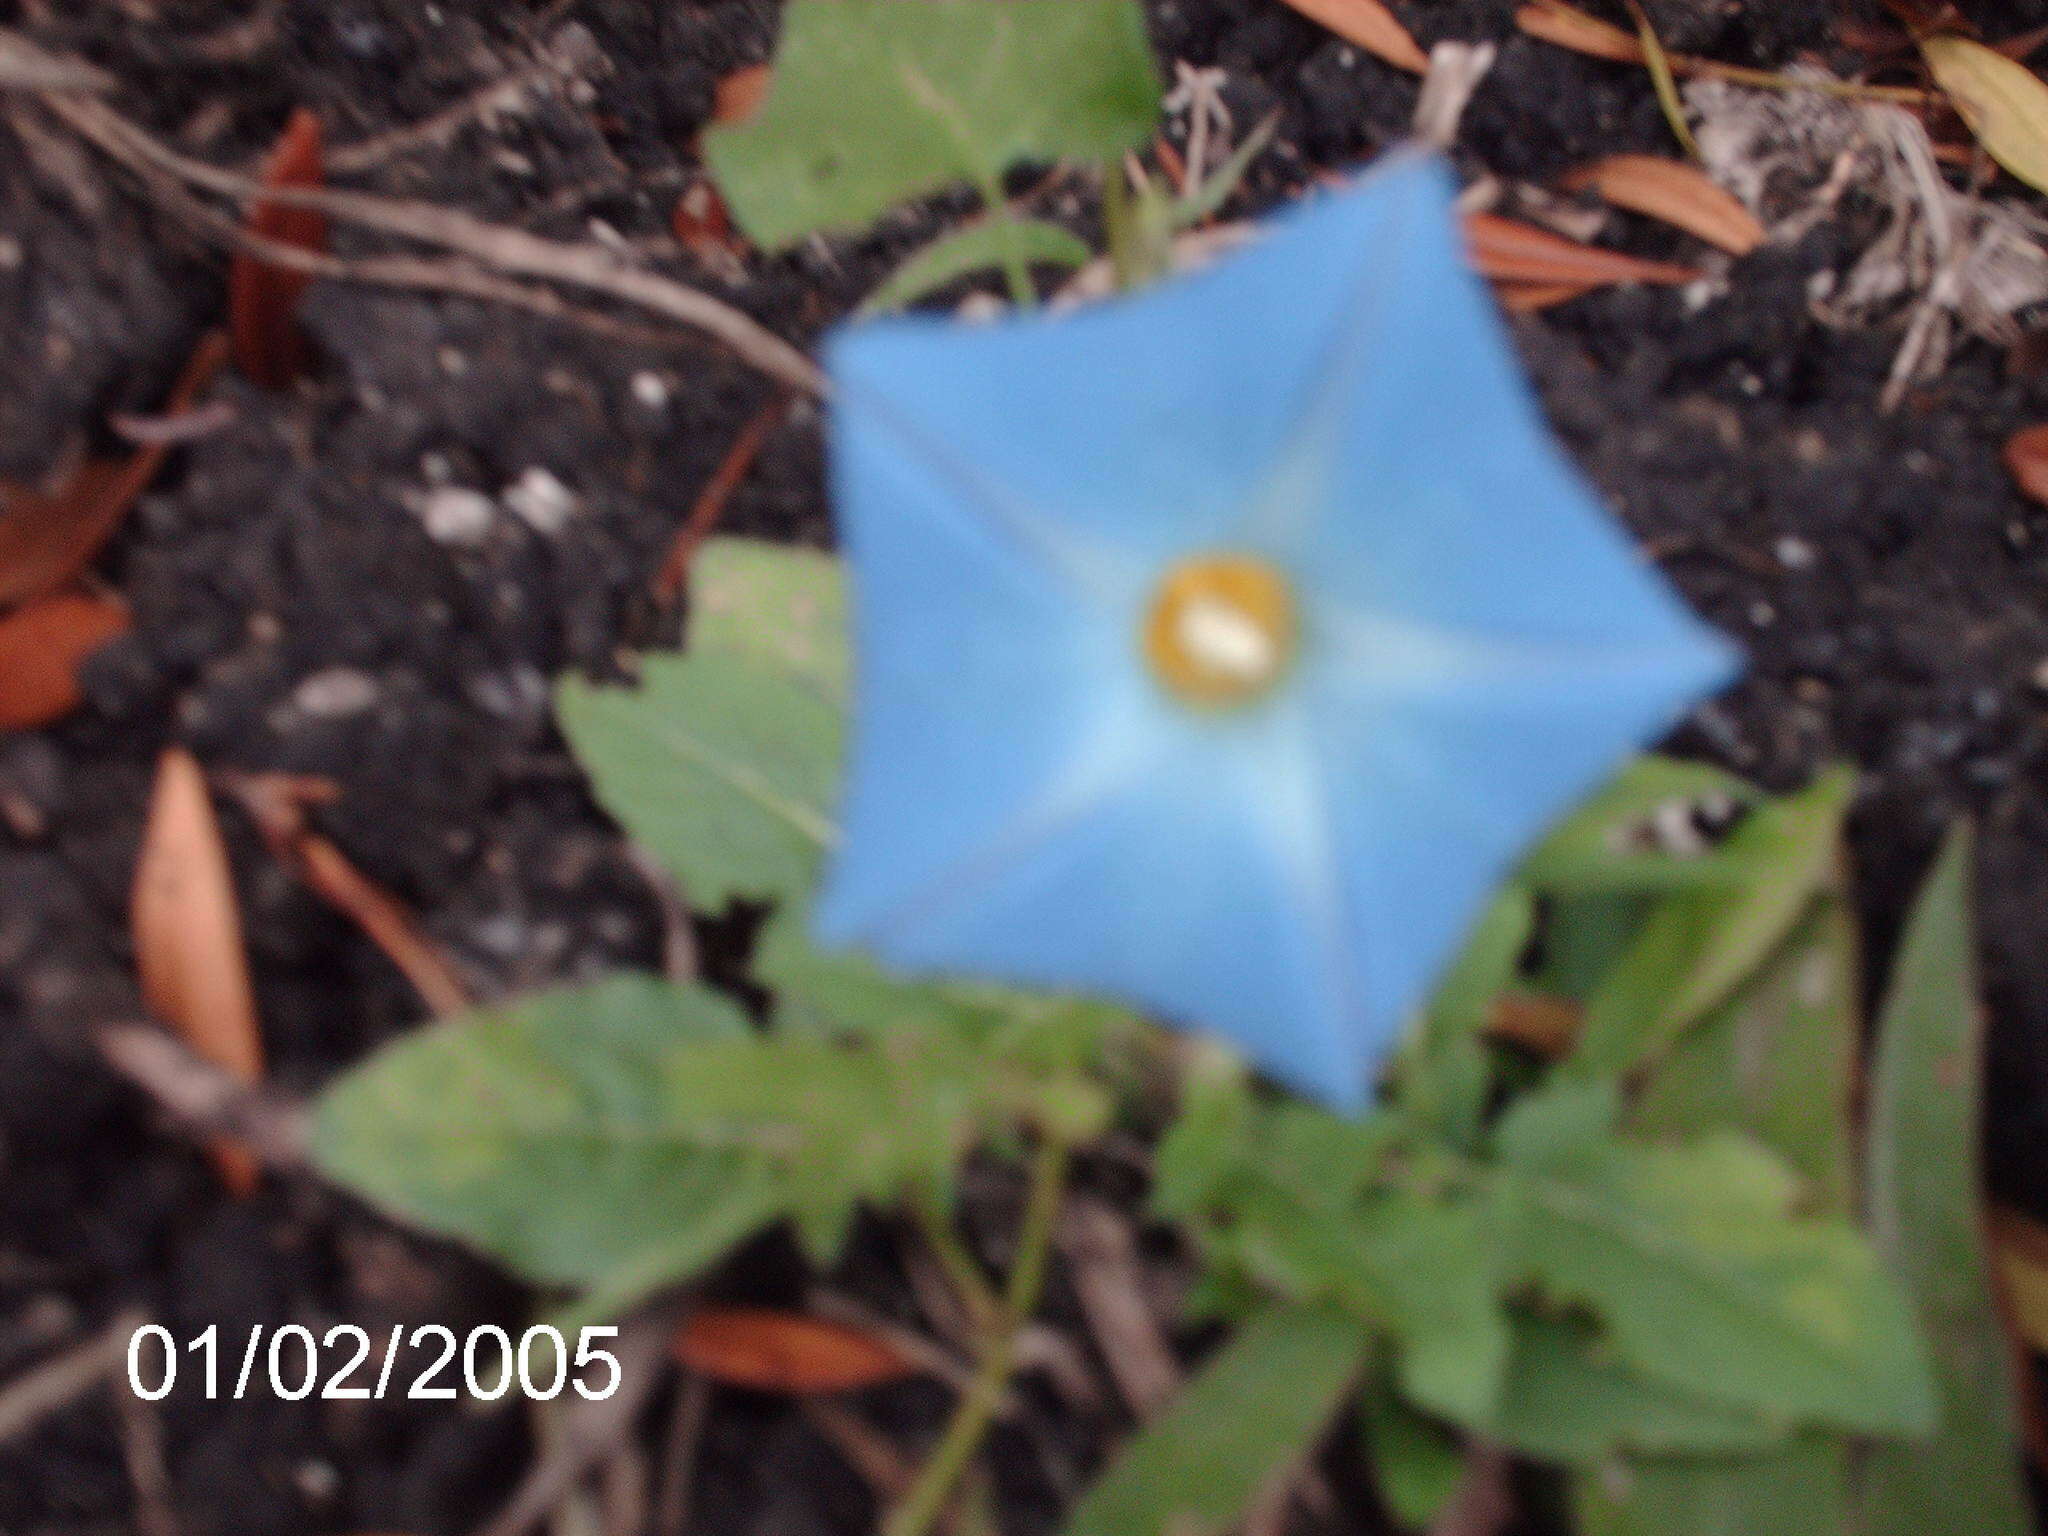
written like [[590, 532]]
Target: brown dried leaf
[[703, 223], [47, 539], [1527, 298], [1679, 194], [2026, 455], [1507, 250], [738, 96], [277, 804], [263, 300], [772, 1351], [41, 648], [1370, 25], [1545, 1025], [1574, 29], [188, 938], [2019, 1246]]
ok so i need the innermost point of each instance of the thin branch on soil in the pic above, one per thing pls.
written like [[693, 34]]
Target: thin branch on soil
[[862, 1447], [922, 1506], [567, 55], [1484, 1503], [149, 1473], [710, 503], [1102, 1257], [679, 1456], [512, 250], [591, 1431], [622, 1489], [56, 1384], [457, 276], [564, 58], [678, 937], [25, 67], [202, 1097], [929, 1356]]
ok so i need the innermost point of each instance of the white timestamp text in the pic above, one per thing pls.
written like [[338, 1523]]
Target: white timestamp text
[[430, 1362]]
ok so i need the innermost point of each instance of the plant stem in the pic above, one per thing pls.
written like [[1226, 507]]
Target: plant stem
[[1022, 294], [984, 1307], [1119, 228], [921, 1507]]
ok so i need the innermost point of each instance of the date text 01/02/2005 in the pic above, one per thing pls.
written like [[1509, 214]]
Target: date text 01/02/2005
[[540, 1364]]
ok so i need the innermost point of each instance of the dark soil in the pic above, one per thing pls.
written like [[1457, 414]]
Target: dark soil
[[294, 612]]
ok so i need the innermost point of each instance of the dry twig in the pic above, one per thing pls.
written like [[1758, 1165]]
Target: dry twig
[[56, 1384], [591, 267], [204, 1098]]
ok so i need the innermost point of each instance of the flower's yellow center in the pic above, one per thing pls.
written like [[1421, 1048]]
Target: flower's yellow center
[[1220, 629]]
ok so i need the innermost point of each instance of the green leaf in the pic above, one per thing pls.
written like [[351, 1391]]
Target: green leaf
[[1699, 946], [875, 101], [1706, 1280], [722, 768], [820, 991], [1800, 1491], [724, 763], [988, 243], [1444, 1073], [1610, 843], [1423, 1267], [1417, 1461], [778, 604], [545, 1133], [1255, 1408], [1925, 1196], [1777, 1060], [1569, 1396]]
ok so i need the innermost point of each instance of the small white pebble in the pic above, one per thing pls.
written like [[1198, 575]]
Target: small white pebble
[[650, 390], [541, 501], [454, 514], [334, 692], [1794, 553], [317, 1480], [11, 254], [1762, 615], [2039, 676], [452, 362]]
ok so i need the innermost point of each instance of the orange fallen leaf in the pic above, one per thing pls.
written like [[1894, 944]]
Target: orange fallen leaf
[[1527, 298], [277, 804], [1574, 29], [2026, 455], [263, 300], [1370, 25], [42, 645], [2019, 1246], [738, 96], [188, 938], [1508, 250], [772, 1351], [1679, 194], [703, 224], [48, 538], [1545, 1025]]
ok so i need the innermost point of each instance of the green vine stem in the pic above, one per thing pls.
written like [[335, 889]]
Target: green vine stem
[[984, 1307], [922, 1506]]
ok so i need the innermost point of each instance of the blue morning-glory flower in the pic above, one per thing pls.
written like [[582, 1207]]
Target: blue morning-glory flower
[[1219, 648]]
